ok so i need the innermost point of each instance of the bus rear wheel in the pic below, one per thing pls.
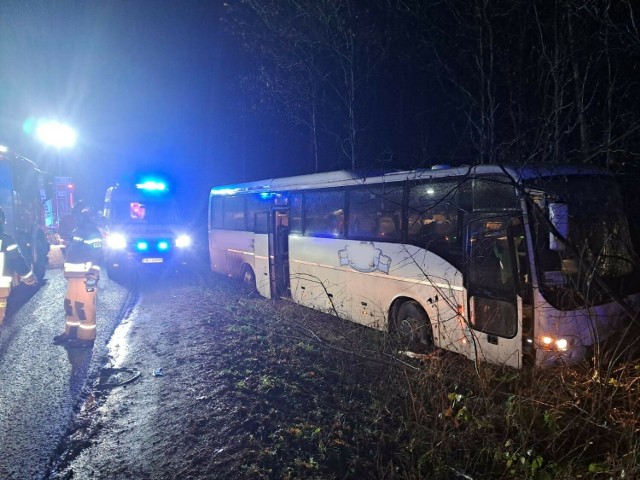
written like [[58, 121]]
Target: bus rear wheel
[[248, 278], [412, 325]]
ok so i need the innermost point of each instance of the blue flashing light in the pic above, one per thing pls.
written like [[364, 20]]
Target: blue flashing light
[[142, 246], [152, 186], [163, 245], [224, 191]]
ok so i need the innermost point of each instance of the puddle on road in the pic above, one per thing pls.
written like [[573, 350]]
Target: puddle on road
[[118, 347]]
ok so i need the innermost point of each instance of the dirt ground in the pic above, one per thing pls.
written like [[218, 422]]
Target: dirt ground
[[237, 386]]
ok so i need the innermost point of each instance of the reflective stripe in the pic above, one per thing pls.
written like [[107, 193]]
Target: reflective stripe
[[87, 327], [71, 323], [12, 247], [30, 274], [77, 267], [88, 241]]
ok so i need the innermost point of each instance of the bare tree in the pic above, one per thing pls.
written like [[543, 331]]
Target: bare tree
[[313, 59], [536, 81]]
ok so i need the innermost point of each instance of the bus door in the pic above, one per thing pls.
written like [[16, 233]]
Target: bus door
[[262, 253], [279, 252], [495, 310]]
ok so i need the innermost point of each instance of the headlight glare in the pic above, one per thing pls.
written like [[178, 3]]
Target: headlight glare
[[183, 241], [117, 241], [562, 344], [551, 343]]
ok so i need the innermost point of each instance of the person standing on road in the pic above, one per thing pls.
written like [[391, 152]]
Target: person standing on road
[[68, 224], [13, 266], [82, 271]]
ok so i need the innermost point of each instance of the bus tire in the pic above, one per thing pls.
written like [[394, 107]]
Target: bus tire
[[248, 278], [411, 325]]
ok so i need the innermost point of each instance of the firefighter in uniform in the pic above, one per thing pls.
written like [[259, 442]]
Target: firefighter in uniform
[[13, 267], [68, 224], [82, 272]]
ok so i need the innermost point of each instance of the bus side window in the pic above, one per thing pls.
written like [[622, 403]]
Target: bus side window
[[324, 213], [255, 204], [363, 226], [375, 212], [387, 228], [216, 213], [434, 216], [234, 218], [295, 213]]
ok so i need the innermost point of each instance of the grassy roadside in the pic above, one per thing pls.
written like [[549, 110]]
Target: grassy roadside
[[256, 388], [364, 412]]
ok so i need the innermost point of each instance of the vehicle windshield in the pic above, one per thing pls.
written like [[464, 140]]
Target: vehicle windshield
[[582, 243], [144, 211]]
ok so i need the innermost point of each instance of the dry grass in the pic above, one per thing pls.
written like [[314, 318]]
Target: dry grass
[[448, 418]]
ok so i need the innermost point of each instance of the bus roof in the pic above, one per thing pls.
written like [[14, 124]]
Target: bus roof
[[342, 178]]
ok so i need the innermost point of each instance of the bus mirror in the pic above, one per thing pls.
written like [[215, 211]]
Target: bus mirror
[[559, 218]]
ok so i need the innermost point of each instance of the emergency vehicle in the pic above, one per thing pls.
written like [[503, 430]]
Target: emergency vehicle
[[25, 190], [142, 227]]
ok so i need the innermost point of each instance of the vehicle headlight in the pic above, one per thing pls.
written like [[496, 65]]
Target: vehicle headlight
[[550, 343], [117, 241], [183, 241]]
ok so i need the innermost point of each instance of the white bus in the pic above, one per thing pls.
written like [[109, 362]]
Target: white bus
[[513, 266]]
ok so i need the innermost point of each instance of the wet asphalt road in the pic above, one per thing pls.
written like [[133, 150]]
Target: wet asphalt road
[[41, 383]]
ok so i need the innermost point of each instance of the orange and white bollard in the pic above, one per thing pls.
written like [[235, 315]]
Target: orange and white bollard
[[80, 301]]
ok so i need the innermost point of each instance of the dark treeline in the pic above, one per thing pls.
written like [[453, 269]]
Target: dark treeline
[[411, 83]]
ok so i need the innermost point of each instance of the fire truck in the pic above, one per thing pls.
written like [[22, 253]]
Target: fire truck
[[26, 192], [58, 206]]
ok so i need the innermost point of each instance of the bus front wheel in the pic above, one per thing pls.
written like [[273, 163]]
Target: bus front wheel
[[412, 325]]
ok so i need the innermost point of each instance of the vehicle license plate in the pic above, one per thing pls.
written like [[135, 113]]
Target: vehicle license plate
[[152, 260]]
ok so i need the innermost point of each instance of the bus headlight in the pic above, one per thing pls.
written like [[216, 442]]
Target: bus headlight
[[183, 241], [559, 344], [117, 241]]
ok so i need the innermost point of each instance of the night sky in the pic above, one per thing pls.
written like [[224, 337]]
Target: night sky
[[145, 83]]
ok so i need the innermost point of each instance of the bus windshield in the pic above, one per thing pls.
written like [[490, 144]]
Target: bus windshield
[[144, 211], [581, 240]]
